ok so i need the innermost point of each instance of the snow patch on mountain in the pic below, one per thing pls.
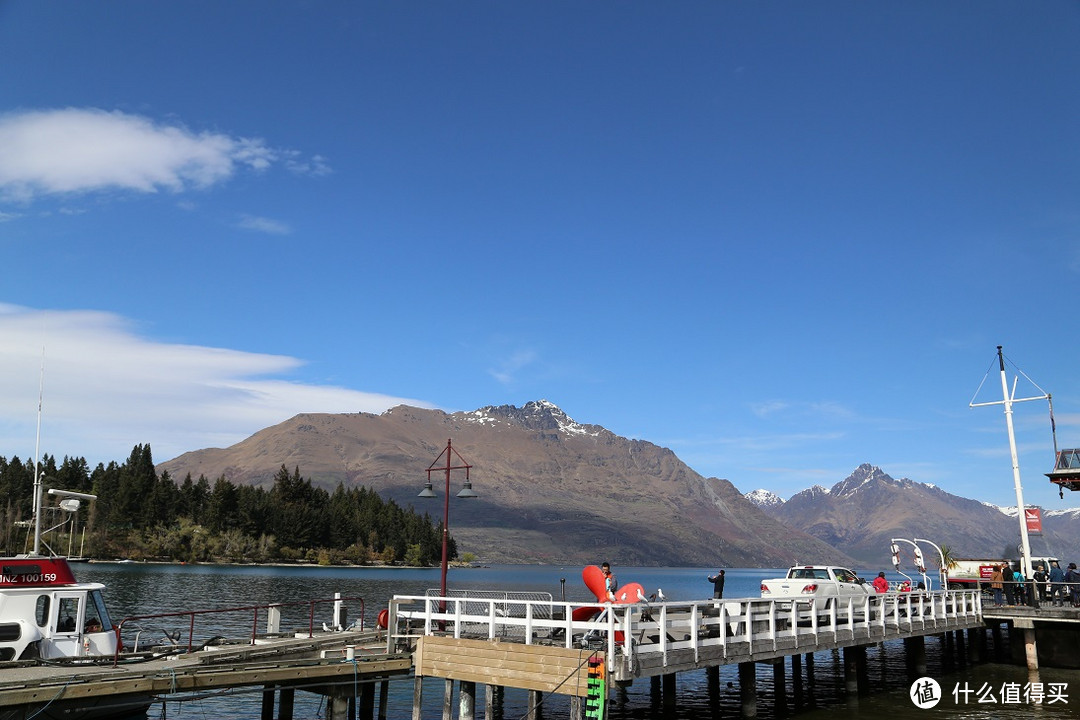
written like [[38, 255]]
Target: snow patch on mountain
[[764, 498], [534, 415]]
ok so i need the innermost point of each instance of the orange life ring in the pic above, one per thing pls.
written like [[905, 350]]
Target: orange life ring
[[383, 618]]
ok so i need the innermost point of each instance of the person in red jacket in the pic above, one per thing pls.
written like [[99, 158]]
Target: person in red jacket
[[880, 584]]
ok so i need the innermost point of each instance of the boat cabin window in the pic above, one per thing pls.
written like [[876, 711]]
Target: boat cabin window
[[67, 615], [41, 611], [97, 619]]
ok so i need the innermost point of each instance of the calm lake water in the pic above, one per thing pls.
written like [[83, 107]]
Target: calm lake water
[[141, 589]]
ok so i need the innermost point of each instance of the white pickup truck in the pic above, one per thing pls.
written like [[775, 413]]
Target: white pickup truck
[[816, 585]]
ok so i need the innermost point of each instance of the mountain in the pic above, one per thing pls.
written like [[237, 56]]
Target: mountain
[[764, 499], [550, 489], [863, 512]]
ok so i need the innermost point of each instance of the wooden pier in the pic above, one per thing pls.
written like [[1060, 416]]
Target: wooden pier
[[537, 646], [659, 640], [332, 665]]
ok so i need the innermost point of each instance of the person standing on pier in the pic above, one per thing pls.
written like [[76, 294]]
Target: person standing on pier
[[1007, 582], [1072, 581], [1057, 584], [1019, 595], [881, 585], [717, 581], [610, 583], [1040, 578], [996, 582]]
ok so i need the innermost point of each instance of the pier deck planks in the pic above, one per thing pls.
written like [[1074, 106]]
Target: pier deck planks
[[532, 667]]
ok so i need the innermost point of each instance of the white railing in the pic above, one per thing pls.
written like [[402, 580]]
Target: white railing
[[630, 633]]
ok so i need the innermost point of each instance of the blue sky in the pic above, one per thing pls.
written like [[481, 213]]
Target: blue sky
[[782, 239]]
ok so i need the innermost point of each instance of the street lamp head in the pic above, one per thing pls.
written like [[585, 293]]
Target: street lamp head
[[427, 492], [467, 491]]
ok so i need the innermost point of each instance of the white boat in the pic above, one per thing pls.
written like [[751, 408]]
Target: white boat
[[46, 613]]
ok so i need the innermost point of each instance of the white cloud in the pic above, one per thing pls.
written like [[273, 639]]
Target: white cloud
[[107, 388], [264, 225], [76, 150]]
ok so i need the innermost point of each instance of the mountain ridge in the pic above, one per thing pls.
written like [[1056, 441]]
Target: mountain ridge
[[550, 489], [865, 510]]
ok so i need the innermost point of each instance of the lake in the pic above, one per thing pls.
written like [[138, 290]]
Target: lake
[[142, 589]]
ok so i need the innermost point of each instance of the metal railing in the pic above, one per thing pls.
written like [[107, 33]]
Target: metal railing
[[271, 610], [630, 633]]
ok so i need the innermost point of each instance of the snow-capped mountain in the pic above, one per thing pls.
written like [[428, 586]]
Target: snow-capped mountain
[[764, 498], [864, 511]]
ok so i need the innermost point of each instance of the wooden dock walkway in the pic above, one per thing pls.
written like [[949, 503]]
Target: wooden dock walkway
[[655, 641], [534, 645], [644, 640], [276, 666]]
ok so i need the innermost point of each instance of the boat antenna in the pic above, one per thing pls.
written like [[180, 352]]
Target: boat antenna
[[1053, 427], [37, 460]]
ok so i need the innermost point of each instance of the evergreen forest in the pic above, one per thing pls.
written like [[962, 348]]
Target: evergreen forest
[[139, 515]]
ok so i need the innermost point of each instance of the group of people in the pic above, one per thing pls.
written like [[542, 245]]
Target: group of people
[[1058, 586]]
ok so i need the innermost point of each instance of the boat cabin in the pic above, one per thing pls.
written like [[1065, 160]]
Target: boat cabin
[[45, 612], [1066, 472]]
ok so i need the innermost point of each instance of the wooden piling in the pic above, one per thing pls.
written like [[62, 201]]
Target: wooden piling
[[536, 699], [448, 700], [384, 691], [337, 707], [862, 676], [748, 689], [466, 700], [286, 698], [851, 678], [670, 698], [797, 679], [417, 697], [916, 656], [779, 686], [493, 702], [365, 703], [267, 703]]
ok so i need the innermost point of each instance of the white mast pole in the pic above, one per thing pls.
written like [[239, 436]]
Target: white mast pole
[[1025, 546], [37, 460]]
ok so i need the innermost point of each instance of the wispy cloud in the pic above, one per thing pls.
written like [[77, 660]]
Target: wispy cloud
[[107, 388], [510, 366], [263, 225], [79, 150], [820, 409], [316, 165]]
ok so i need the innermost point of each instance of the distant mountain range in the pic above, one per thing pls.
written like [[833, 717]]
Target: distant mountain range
[[863, 512], [552, 490]]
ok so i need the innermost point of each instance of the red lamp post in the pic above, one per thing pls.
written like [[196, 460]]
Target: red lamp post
[[466, 492]]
